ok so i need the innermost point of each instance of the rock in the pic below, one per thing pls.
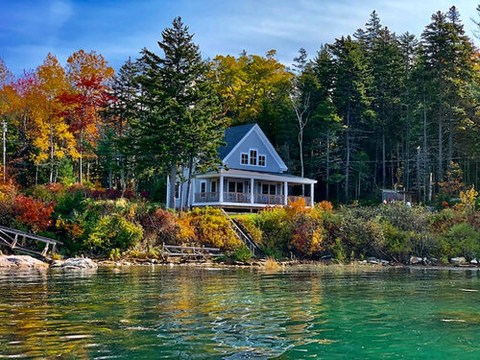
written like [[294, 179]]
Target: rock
[[372, 260], [415, 260], [385, 262], [474, 262], [21, 262], [458, 260], [75, 264], [433, 261]]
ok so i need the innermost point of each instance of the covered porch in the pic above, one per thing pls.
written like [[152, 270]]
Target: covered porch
[[249, 189]]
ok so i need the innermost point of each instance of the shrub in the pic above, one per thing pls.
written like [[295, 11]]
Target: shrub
[[462, 240], [250, 223], [161, 226], [8, 193], [242, 254], [113, 231], [398, 243], [68, 203], [307, 234], [325, 206], [276, 231], [212, 228], [34, 214]]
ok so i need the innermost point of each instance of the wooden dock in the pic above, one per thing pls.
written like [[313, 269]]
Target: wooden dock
[[190, 252], [30, 244]]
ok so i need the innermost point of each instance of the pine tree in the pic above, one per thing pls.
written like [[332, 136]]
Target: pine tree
[[180, 119]]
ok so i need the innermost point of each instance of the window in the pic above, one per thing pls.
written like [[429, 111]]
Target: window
[[234, 186], [269, 189], [253, 157], [261, 160], [213, 186], [203, 187], [244, 158]]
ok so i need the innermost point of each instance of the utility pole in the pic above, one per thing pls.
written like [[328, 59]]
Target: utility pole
[[4, 123]]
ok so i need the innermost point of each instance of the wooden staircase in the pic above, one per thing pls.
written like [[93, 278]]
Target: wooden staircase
[[23, 242], [244, 236]]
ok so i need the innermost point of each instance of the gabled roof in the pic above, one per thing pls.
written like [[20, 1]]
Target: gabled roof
[[235, 135], [232, 137]]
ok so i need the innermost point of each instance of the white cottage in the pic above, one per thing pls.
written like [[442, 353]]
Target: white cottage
[[252, 176]]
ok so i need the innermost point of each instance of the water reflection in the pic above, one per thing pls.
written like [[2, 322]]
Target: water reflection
[[188, 313]]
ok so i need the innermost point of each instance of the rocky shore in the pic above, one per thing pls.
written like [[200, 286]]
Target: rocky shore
[[25, 262]]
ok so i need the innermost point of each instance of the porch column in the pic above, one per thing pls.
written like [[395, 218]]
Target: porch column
[[285, 193], [311, 195], [252, 197], [220, 189]]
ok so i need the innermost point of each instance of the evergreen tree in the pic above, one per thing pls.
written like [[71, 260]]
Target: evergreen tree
[[179, 118]]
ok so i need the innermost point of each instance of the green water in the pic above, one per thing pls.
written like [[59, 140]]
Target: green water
[[196, 313]]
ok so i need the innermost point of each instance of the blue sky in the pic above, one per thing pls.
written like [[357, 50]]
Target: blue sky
[[29, 29]]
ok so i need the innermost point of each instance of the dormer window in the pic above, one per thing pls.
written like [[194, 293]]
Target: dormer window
[[262, 160], [244, 159], [253, 157]]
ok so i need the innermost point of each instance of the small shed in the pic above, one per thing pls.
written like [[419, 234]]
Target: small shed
[[391, 195]]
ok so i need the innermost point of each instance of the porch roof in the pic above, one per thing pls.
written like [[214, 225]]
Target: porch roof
[[258, 175]]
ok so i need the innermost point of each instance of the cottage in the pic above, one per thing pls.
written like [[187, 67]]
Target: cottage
[[252, 176]]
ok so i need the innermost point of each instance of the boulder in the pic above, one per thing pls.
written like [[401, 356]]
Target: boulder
[[458, 260], [474, 261], [21, 262], [415, 260], [75, 264]]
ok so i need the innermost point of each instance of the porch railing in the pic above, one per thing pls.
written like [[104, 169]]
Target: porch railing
[[269, 199], [207, 197], [296, 198], [236, 197], [244, 198]]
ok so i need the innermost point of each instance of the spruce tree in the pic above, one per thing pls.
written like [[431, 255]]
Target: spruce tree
[[180, 119]]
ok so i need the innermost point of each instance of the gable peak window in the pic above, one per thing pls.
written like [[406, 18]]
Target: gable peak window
[[253, 157], [244, 159], [262, 160]]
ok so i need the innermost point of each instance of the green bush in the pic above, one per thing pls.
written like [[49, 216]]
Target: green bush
[[462, 240], [398, 243], [113, 231], [242, 254]]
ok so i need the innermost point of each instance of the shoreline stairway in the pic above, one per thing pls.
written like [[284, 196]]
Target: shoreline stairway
[[21, 241], [244, 236]]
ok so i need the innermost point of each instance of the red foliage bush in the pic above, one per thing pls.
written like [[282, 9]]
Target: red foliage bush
[[35, 214], [161, 226]]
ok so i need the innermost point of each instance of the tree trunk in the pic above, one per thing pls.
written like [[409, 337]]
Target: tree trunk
[[440, 149], [300, 146], [327, 174], [425, 147], [347, 160], [172, 177], [189, 182], [384, 159]]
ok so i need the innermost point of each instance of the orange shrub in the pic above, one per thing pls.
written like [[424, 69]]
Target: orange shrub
[[325, 206]]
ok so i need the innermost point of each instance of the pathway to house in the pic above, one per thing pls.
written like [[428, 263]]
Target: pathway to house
[[31, 244]]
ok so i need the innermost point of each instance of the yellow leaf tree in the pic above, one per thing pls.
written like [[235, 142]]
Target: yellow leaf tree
[[51, 136]]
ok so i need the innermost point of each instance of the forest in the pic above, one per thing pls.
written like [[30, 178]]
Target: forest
[[372, 110]]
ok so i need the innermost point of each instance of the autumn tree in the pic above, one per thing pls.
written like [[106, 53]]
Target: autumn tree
[[88, 74], [52, 139]]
